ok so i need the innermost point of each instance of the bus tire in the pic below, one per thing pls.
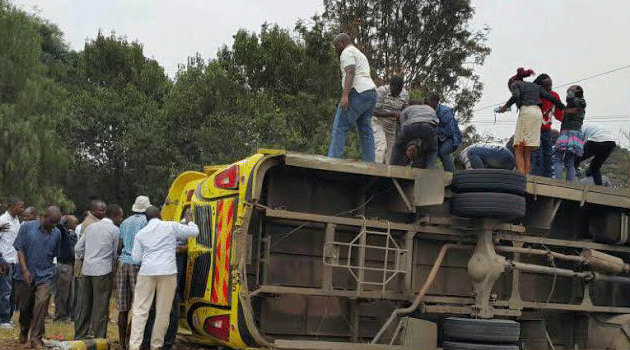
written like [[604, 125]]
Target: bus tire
[[502, 206], [481, 330], [448, 345], [489, 180]]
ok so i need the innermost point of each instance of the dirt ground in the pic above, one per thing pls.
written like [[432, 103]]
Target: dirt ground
[[65, 331]]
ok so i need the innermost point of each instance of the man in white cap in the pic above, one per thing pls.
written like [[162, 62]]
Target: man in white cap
[[127, 268]]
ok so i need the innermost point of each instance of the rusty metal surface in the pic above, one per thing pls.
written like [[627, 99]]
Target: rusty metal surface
[[309, 201]]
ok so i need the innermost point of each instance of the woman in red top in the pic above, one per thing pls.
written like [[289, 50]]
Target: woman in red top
[[542, 158]]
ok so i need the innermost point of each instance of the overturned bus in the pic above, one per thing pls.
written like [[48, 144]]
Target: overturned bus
[[299, 251]]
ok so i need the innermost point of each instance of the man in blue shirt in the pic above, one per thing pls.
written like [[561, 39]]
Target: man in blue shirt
[[447, 131], [37, 243], [127, 268]]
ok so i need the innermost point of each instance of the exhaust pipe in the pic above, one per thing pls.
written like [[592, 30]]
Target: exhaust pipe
[[604, 262]]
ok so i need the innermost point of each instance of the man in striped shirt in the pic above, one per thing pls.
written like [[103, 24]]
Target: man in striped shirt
[[391, 100]]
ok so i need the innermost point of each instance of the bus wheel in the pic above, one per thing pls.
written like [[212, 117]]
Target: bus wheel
[[482, 330], [501, 206], [488, 180]]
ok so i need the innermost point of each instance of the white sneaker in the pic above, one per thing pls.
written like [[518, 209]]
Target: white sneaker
[[6, 325]]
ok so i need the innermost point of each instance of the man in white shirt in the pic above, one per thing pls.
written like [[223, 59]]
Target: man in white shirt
[[154, 246], [358, 99], [101, 244], [598, 144], [9, 227]]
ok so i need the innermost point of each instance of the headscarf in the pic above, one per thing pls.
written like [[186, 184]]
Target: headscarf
[[520, 74]]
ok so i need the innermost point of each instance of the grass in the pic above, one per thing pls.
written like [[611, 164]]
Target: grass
[[65, 331]]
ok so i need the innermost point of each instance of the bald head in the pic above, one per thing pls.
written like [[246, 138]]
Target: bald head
[[98, 208], [341, 41], [342, 38], [30, 214], [70, 222], [52, 216], [152, 212]]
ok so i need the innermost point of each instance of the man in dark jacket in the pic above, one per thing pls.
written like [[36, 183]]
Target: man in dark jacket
[[64, 307], [447, 131]]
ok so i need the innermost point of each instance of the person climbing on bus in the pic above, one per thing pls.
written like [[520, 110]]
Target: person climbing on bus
[[542, 158], [570, 143], [527, 97], [418, 122], [485, 156], [599, 144]]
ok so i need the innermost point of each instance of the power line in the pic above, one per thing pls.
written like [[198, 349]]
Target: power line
[[512, 122], [567, 84], [595, 76], [597, 118]]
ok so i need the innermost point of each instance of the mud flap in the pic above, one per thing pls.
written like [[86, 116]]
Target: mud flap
[[429, 187]]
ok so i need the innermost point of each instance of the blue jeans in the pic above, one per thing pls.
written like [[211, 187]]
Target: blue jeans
[[564, 161], [542, 158], [359, 113], [6, 286], [487, 158], [445, 149]]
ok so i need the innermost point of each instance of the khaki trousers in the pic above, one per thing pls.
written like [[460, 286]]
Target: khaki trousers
[[384, 138], [147, 287]]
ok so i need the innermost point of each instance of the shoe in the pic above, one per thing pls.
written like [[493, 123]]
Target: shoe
[[23, 337], [6, 325], [37, 344]]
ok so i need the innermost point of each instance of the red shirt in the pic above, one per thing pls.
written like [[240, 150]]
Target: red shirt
[[549, 109]]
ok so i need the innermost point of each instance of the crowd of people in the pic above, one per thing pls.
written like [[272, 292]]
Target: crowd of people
[[395, 130], [138, 259]]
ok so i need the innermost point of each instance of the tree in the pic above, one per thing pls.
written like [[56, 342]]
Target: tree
[[19, 51], [33, 158], [428, 41], [112, 123], [114, 62], [294, 83]]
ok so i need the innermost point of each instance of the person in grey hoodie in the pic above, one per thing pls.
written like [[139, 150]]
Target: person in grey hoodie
[[418, 122]]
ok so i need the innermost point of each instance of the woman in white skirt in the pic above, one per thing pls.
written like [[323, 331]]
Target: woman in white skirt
[[527, 96]]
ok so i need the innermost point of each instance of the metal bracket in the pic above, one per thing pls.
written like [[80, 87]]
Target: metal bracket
[[584, 193], [623, 235], [586, 300], [403, 196], [516, 302]]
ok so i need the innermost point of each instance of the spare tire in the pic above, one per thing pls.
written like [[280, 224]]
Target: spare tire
[[503, 206], [489, 180], [448, 345], [481, 330]]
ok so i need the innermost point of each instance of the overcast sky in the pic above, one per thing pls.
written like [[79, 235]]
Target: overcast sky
[[568, 40]]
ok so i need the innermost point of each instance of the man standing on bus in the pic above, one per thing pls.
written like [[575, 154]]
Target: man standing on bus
[[358, 99]]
